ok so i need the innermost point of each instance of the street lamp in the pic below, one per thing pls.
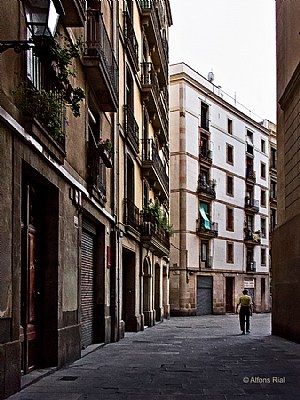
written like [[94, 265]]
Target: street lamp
[[41, 17]]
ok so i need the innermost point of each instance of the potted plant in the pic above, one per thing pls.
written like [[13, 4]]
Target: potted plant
[[105, 150]]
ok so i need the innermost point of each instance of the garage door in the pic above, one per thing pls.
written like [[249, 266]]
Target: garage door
[[87, 285], [204, 295]]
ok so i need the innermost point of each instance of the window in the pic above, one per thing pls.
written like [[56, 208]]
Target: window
[[249, 136], [263, 146], [263, 256], [263, 198], [230, 253], [263, 170], [263, 227], [229, 219], [273, 188], [229, 126], [204, 116], [273, 218], [229, 185], [273, 158], [204, 251], [229, 154]]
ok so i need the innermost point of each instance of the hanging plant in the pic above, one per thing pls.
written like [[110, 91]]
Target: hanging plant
[[160, 216]]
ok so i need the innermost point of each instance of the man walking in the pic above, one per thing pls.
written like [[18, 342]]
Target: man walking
[[245, 303]]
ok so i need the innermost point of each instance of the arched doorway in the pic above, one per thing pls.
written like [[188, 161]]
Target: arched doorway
[[157, 298], [148, 315]]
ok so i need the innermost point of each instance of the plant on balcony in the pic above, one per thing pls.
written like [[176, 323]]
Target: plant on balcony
[[105, 150], [48, 106], [155, 210]]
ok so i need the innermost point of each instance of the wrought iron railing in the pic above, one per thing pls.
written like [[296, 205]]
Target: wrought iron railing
[[131, 214], [162, 42], [206, 188], [205, 155], [150, 153], [98, 44], [96, 168], [251, 236], [250, 174], [131, 128], [212, 230], [149, 77], [251, 203], [131, 40], [149, 227], [251, 266]]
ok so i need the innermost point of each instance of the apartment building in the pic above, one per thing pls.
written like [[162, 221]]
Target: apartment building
[[285, 249], [84, 168], [143, 184], [219, 199]]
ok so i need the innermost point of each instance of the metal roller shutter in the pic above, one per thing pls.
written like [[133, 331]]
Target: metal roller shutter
[[204, 295], [87, 287]]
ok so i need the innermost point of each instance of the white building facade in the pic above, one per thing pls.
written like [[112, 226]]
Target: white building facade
[[219, 200]]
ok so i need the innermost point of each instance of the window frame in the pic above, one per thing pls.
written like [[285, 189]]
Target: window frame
[[263, 256], [230, 219], [263, 170], [263, 198], [230, 253], [229, 147], [231, 194]]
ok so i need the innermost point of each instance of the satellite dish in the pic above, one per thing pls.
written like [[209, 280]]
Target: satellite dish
[[211, 76]]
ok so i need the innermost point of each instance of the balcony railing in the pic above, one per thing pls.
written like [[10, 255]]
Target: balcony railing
[[207, 189], [131, 128], [156, 103], [249, 149], [205, 155], [250, 175], [131, 214], [251, 266], [96, 170], [131, 40], [153, 19], [252, 205], [252, 237], [212, 231], [98, 45], [150, 228], [150, 154]]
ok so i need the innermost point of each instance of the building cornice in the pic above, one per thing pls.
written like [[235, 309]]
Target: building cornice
[[184, 76]]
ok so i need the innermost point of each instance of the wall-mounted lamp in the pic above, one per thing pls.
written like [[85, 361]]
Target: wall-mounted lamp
[[41, 19]]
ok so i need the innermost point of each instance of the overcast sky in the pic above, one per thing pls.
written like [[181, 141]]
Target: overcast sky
[[236, 40]]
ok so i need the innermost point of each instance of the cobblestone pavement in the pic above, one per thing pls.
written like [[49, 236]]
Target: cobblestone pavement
[[190, 358]]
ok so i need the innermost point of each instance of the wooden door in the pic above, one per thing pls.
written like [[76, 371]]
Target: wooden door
[[31, 289]]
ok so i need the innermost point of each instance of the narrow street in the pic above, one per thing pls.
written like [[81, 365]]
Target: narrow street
[[202, 357]]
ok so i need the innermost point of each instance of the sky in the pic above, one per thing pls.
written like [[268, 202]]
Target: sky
[[235, 39]]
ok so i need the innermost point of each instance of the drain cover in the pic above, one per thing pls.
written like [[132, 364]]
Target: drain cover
[[68, 378]]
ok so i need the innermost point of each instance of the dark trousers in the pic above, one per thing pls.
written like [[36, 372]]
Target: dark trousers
[[245, 318]]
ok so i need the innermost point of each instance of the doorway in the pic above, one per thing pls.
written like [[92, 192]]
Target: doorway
[[128, 309], [229, 294], [204, 295]]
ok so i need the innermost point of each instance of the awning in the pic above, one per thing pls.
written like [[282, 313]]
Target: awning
[[205, 218]]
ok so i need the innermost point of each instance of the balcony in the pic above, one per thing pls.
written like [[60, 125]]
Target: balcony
[[96, 172], [74, 12], [204, 232], [250, 175], [131, 41], [205, 156], [131, 129], [204, 123], [155, 100], [153, 237], [273, 199], [251, 238], [100, 63], [206, 191], [153, 168], [251, 266], [160, 55], [131, 215], [251, 205]]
